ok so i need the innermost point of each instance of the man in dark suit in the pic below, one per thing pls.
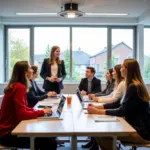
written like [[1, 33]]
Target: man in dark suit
[[90, 84], [35, 94]]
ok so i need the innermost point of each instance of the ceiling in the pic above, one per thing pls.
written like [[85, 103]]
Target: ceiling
[[138, 10]]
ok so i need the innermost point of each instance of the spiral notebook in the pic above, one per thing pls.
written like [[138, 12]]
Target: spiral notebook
[[105, 118]]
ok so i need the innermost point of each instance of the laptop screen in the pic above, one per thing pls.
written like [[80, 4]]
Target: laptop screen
[[61, 104], [79, 95]]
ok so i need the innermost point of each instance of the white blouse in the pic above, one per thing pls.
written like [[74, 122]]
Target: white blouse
[[54, 70], [116, 94]]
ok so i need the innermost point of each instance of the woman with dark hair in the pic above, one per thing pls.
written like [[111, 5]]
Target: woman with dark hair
[[118, 89], [53, 71], [109, 85], [15, 108], [134, 107]]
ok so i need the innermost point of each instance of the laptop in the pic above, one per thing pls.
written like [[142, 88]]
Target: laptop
[[85, 97], [84, 106], [58, 112]]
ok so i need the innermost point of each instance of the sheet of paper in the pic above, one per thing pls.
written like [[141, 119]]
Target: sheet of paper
[[105, 118]]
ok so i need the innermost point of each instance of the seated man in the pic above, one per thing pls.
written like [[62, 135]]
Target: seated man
[[35, 94], [90, 84]]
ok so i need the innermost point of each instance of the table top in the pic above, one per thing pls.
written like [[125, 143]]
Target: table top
[[75, 121]]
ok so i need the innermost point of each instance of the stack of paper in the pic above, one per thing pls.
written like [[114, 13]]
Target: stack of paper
[[105, 118]]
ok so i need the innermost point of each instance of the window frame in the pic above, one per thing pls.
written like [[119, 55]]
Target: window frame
[[31, 42]]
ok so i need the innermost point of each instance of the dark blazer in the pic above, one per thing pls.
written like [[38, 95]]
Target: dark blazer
[[46, 72], [109, 89], [95, 87], [136, 112], [35, 95]]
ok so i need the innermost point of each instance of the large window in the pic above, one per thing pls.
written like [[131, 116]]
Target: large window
[[122, 45], [89, 48], [80, 47], [18, 47], [146, 55], [45, 38]]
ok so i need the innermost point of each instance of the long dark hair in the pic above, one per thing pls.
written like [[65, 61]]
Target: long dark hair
[[111, 71], [18, 75], [51, 59], [134, 76]]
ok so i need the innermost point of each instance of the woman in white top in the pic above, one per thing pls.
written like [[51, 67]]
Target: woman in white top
[[53, 71], [118, 89]]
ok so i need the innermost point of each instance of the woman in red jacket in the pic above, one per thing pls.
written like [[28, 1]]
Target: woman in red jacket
[[15, 109]]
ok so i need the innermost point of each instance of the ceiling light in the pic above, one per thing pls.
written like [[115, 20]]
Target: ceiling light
[[70, 10], [105, 14], [36, 14]]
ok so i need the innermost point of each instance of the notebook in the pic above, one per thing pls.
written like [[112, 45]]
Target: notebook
[[58, 112], [105, 118]]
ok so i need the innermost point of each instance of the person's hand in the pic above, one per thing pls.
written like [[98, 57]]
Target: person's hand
[[51, 93], [91, 96], [83, 92], [92, 110], [95, 99], [90, 104], [51, 79], [47, 110], [58, 80]]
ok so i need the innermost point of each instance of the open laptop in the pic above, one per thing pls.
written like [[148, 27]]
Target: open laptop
[[84, 105], [85, 97], [58, 112]]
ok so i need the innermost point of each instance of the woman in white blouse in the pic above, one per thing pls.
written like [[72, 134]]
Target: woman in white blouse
[[53, 71], [118, 89]]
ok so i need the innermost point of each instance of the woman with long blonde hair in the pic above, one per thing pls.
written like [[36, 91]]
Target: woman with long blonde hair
[[134, 106]]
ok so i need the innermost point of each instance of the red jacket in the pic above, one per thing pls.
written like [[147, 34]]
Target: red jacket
[[15, 109]]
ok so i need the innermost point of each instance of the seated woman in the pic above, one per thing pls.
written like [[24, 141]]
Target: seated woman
[[118, 90], [15, 108], [134, 107], [109, 86], [35, 94], [108, 90]]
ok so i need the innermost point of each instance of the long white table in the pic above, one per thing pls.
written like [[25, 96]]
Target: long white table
[[75, 123], [85, 125]]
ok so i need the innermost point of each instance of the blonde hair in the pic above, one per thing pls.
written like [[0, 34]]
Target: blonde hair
[[134, 76]]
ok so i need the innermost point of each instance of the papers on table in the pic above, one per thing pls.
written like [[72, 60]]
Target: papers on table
[[105, 118]]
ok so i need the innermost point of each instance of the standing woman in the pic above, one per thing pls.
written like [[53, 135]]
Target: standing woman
[[53, 71]]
